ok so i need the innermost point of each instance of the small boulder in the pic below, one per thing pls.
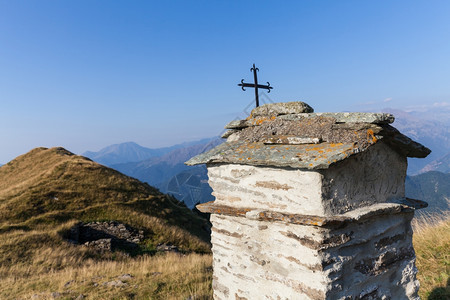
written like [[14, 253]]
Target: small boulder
[[125, 277], [286, 108]]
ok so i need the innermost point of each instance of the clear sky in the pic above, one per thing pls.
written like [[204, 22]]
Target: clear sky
[[87, 74]]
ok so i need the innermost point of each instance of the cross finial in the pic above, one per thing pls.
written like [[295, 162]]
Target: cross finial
[[255, 85]]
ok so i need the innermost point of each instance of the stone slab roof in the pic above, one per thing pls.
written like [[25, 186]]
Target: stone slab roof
[[307, 156], [292, 135]]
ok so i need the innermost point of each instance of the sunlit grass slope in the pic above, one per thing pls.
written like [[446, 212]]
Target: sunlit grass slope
[[432, 244], [169, 276], [47, 191], [50, 188]]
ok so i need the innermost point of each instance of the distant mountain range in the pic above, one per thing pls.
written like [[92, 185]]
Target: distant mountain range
[[163, 168], [132, 152], [432, 187], [430, 128], [170, 175], [441, 165]]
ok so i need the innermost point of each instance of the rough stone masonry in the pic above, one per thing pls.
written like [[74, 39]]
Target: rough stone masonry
[[311, 206]]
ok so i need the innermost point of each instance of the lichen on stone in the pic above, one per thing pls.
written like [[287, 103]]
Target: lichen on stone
[[312, 137], [321, 128]]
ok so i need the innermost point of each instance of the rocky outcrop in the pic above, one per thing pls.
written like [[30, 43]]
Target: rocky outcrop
[[106, 236]]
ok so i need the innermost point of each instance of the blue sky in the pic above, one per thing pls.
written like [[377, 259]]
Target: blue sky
[[87, 74]]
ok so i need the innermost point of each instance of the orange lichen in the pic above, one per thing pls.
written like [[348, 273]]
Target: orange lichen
[[371, 136]]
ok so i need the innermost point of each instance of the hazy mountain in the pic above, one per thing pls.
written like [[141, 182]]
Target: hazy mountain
[[432, 187], [158, 171], [123, 152], [432, 132], [132, 152], [190, 186], [440, 165], [438, 111], [53, 187]]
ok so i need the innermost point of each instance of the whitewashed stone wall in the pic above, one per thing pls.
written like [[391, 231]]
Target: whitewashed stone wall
[[284, 190], [375, 176], [368, 257], [274, 260]]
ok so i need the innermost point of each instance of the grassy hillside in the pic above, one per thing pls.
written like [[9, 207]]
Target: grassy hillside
[[45, 192], [49, 189], [432, 244], [162, 277]]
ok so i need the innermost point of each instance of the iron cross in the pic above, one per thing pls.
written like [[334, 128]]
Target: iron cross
[[255, 85]]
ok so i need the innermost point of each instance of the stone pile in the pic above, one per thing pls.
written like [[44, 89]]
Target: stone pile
[[167, 248], [311, 206], [316, 140], [106, 236]]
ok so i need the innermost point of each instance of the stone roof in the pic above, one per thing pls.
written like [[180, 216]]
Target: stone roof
[[292, 135]]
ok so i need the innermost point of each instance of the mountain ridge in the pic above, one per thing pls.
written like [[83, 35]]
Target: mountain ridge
[[423, 128], [169, 173], [133, 152], [432, 187], [172, 160], [442, 165], [51, 187]]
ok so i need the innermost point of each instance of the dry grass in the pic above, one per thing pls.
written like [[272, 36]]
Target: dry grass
[[38, 264], [169, 276], [432, 244], [41, 264]]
